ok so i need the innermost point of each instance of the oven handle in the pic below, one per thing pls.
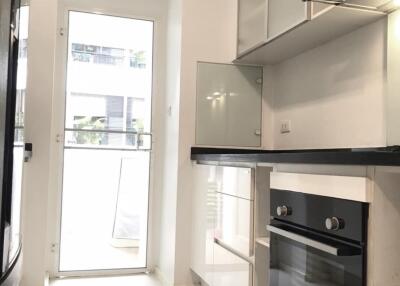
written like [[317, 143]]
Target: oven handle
[[336, 251]]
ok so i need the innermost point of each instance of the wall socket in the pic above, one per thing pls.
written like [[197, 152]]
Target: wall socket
[[286, 126]]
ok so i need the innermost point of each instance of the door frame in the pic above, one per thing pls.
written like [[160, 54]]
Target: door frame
[[57, 146]]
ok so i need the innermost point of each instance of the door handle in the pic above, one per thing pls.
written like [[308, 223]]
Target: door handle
[[333, 250], [28, 152]]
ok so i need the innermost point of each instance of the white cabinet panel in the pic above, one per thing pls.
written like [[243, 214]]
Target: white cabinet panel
[[393, 80], [228, 109], [203, 214], [261, 277], [318, 8], [234, 223], [230, 269], [223, 217], [284, 15], [235, 181]]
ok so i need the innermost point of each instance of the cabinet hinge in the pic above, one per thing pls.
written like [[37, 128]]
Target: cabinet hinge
[[53, 247], [59, 138]]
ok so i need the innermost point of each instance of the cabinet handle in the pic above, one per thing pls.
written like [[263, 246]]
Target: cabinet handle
[[233, 251]]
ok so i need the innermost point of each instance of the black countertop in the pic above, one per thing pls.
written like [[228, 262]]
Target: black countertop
[[370, 156]]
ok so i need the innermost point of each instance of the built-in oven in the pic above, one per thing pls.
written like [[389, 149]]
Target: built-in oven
[[317, 240]]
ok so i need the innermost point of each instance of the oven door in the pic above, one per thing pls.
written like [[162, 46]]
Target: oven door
[[302, 258]]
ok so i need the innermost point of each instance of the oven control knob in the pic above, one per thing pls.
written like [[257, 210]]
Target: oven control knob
[[334, 223], [283, 211]]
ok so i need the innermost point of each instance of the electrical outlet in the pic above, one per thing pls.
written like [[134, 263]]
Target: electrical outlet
[[286, 126]]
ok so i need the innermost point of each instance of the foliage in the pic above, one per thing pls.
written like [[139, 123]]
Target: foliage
[[90, 123]]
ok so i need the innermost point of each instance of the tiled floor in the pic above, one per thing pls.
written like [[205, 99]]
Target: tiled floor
[[134, 280], [88, 253]]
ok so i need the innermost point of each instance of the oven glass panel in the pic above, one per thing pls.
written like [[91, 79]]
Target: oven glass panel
[[294, 264]]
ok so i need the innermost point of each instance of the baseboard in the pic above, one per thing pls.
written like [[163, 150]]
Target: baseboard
[[47, 279], [160, 276]]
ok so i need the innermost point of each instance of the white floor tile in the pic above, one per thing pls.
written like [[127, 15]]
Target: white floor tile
[[134, 280]]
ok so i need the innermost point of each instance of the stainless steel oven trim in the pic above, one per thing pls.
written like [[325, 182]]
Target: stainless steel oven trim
[[305, 240]]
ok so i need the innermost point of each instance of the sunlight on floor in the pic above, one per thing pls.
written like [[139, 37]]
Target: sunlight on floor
[[88, 253], [136, 280]]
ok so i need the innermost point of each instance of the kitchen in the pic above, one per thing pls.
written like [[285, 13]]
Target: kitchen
[[317, 205], [274, 137]]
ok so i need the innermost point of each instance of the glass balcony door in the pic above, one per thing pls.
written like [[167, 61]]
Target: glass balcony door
[[107, 144]]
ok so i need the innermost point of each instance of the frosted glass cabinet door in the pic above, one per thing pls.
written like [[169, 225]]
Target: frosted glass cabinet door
[[228, 105]]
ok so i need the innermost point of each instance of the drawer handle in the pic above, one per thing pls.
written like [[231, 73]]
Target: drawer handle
[[233, 251]]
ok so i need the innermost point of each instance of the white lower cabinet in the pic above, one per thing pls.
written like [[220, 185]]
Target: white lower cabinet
[[234, 223], [222, 229], [230, 269], [203, 213]]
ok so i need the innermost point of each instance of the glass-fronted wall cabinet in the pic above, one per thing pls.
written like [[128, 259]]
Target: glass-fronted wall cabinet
[[229, 105], [260, 21]]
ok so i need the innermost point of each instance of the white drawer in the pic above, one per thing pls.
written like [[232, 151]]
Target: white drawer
[[234, 223], [235, 181], [230, 269]]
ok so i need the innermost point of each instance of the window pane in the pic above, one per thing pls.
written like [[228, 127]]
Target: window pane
[[109, 80], [107, 143], [104, 219]]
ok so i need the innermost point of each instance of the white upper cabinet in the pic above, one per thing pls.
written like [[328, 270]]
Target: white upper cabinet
[[393, 80], [252, 23], [284, 15], [271, 31]]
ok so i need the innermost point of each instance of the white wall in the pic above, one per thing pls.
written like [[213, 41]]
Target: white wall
[[168, 175], [41, 50], [334, 95], [208, 34], [267, 109]]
